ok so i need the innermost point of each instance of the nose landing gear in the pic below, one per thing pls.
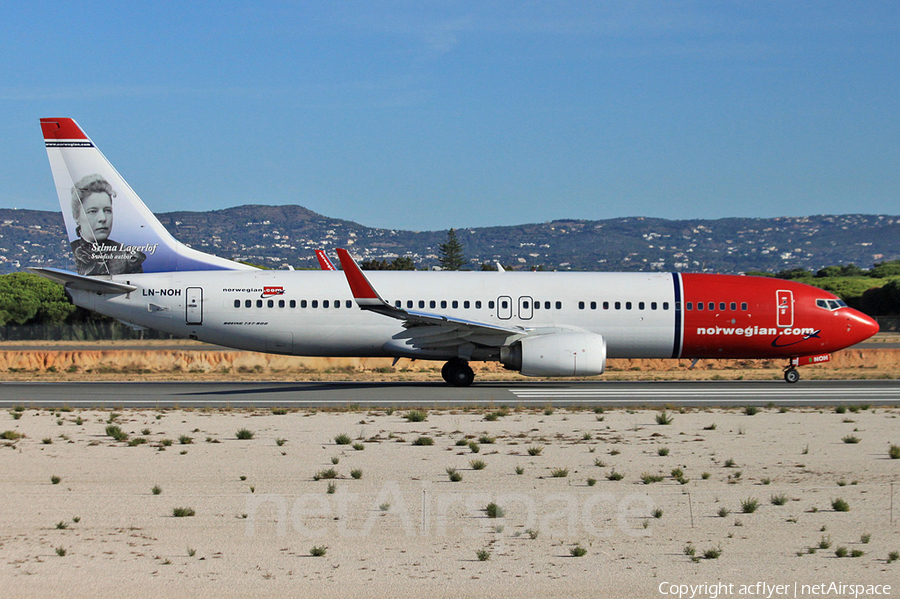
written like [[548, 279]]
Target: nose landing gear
[[458, 373], [791, 375]]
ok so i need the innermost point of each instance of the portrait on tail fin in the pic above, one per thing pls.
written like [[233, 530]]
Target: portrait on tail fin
[[95, 253]]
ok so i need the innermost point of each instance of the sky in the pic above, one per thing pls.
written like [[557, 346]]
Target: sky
[[429, 115]]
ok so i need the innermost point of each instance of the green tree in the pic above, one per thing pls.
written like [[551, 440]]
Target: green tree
[[400, 263], [451, 253]]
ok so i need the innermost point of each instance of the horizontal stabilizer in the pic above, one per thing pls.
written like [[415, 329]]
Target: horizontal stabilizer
[[76, 281]]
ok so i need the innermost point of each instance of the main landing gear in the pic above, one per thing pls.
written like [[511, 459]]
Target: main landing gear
[[791, 375], [458, 373]]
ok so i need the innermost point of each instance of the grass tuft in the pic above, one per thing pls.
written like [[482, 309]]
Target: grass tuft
[[423, 441], [116, 433], [416, 416], [664, 418], [850, 439], [779, 499], [894, 452], [477, 464], [318, 550], [454, 474], [325, 474], [535, 450], [613, 475], [183, 512], [749, 505], [559, 472], [483, 555], [494, 511], [55, 480], [343, 439], [578, 551], [244, 434], [839, 505]]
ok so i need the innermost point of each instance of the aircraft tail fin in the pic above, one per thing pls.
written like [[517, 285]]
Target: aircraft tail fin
[[91, 192]]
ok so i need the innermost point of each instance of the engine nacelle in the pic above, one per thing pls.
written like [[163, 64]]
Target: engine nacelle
[[557, 354]]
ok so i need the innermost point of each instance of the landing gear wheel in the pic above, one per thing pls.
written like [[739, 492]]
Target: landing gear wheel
[[458, 373], [791, 375]]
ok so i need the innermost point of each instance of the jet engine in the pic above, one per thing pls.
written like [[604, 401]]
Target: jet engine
[[557, 354]]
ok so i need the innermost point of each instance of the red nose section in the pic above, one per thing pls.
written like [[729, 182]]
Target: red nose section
[[859, 326]]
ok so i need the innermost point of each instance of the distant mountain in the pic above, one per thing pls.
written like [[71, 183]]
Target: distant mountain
[[277, 236]]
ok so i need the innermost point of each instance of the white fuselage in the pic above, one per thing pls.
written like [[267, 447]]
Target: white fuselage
[[313, 313]]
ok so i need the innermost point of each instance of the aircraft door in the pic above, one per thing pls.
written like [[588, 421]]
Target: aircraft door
[[504, 307], [194, 305], [785, 305], [525, 307]]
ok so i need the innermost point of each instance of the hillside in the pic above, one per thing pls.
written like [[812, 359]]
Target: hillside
[[277, 236]]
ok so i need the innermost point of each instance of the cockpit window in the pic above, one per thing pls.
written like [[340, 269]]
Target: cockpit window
[[830, 304]]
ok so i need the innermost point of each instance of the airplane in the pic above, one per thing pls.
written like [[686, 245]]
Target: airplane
[[324, 262], [541, 324]]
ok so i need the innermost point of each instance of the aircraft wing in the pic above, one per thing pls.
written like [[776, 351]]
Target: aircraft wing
[[425, 330], [81, 282]]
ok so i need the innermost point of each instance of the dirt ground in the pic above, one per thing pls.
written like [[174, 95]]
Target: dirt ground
[[188, 360]]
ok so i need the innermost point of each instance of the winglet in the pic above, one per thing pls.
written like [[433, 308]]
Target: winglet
[[365, 295], [324, 262]]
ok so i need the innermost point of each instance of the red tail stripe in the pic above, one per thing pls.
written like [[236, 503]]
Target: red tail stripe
[[61, 129]]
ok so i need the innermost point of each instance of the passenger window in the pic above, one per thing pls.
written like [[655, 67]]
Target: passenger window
[[293, 303], [443, 303], [421, 303], [491, 304], [337, 303], [721, 306], [455, 304], [593, 305], [303, 303], [606, 305], [640, 305], [653, 305], [733, 306], [744, 306], [270, 303], [546, 305], [711, 306], [581, 305], [466, 304], [666, 305], [314, 304], [628, 305], [700, 305], [559, 305], [537, 305], [259, 303], [324, 303], [477, 304], [247, 303], [432, 304], [504, 304], [281, 303], [409, 303], [618, 305], [348, 303], [237, 303], [524, 305], [398, 304], [690, 305]]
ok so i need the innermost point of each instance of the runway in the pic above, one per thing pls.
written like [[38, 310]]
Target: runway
[[123, 395]]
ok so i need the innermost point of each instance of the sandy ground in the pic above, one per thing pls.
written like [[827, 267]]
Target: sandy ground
[[403, 529]]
